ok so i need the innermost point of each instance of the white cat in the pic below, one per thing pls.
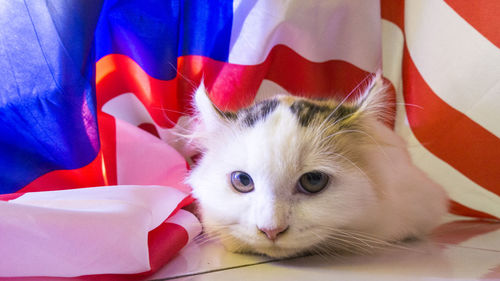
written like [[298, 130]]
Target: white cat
[[291, 175]]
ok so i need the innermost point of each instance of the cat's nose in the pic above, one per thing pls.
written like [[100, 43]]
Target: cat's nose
[[273, 232]]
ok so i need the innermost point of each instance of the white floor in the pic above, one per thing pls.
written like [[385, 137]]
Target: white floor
[[461, 249]]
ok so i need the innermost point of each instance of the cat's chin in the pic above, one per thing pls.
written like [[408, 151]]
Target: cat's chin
[[278, 252], [273, 251]]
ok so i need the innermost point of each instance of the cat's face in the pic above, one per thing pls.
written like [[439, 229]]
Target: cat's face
[[284, 176]]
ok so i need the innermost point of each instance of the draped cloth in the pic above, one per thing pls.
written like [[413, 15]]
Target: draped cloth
[[91, 92]]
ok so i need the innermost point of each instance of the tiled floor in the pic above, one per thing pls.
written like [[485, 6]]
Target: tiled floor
[[460, 249]]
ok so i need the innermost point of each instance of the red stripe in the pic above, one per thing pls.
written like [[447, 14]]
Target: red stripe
[[164, 243], [450, 134], [150, 128], [186, 201], [483, 15], [302, 77], [118, 74], [459, 209], [457, 232], [393, 11], [10, 196], [89, 175], [231, 86], [101, 171], [236, 85], [107, 136]]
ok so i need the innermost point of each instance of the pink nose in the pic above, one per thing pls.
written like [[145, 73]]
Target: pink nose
[[273, 232]]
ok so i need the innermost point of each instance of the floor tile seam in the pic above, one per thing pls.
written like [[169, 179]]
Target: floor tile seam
[[217, 270]]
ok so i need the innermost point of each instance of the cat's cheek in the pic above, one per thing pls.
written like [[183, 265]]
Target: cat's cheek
[[221, 208], [236, 245], [214, 213]]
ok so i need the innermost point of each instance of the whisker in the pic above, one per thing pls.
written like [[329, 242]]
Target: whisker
[[331, 114], [214, 237], [338, 234], [407, 104], [345, 99], [168, 110], [191, 82], [374, 141], [325, 122], [333, 242], [329, 126], [374, 242], [360, 83]]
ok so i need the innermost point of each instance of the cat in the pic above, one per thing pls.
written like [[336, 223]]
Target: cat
[[290, 175]]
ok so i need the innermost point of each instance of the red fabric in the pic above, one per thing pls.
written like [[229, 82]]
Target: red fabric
[[393, 11], [232, 86]]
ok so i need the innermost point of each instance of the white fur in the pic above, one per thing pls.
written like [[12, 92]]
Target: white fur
[[391, 200]]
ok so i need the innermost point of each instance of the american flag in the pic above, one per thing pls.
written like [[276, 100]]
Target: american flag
[[91, 91]]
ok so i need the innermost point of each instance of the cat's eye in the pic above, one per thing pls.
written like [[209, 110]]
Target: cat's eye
[[312, 182], [242, 181]]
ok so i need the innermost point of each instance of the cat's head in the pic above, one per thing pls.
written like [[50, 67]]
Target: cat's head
[[285, 175]]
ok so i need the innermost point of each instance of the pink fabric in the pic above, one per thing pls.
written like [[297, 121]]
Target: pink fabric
[[102, 230], [85, 231], [144, 159]]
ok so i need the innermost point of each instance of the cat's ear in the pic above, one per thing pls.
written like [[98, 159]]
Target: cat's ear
[[211, 117], [373, 101]]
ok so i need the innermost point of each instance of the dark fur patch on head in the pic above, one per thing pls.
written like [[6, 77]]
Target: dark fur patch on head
[[307, 111], [228, 115], [259, 111]]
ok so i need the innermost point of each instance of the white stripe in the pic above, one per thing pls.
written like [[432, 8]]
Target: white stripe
[[159, 201], [459, 187], [460, 65], [269, 89], [319, 30], [128, 108], [82, 231]]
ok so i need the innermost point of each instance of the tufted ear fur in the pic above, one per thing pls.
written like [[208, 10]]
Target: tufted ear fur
[[210, 117], [373, 101]]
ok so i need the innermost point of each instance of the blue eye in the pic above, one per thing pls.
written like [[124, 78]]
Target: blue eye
[[312, 182], [242, 182]]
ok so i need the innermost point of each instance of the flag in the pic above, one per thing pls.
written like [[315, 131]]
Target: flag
[[448, 89], [93, 91]]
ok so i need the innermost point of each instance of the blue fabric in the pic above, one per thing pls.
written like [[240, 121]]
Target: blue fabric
[[154, 33], [48, 51], [47, 97]]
